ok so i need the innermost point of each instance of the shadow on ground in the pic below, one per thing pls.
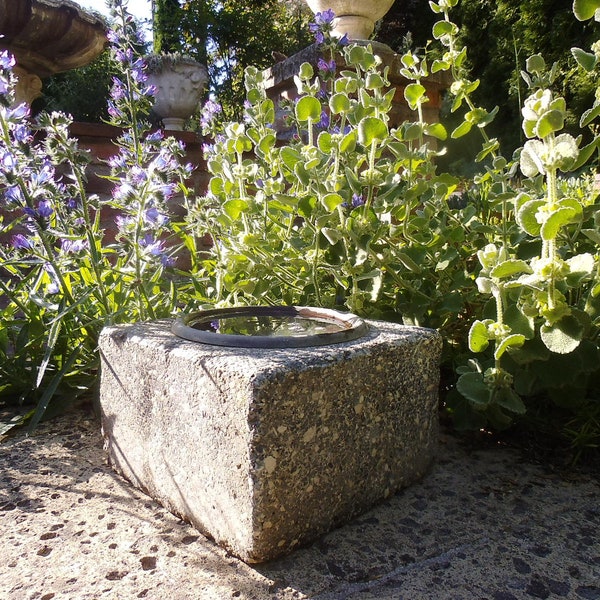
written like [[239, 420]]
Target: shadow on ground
[[481, 524]]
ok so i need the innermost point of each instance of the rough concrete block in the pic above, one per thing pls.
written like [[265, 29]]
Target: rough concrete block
[[265, 450]]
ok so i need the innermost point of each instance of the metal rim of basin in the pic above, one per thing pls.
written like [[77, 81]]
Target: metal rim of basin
[[350, 326]]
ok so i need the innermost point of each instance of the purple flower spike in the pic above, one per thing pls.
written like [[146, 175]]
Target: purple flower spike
[[44, 208], [19, 241], [357, 200], [324, 121], [7, 60], [325, 18], [328, 66]]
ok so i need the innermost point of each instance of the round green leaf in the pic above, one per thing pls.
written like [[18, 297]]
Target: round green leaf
[[371, 129], [586, 60], [535, 63], [507, 398], [526, 217], [510, 267], [478, 337], [442, 28], [565, 151], [290, 157], [324, 142], [515, 339], [306, 71], [266, 144], [333, 236], [348, 143], [473, 388], [519, 322], [436, 130], [308, 108], [374, 81], [550, 122], [413, 93], [585, 9], [331, 201], [530, 161], [563, 337], [234, 208], [581, 267], [216, 186], [339, 103], [589, 115], [559, 218], [461, 130]]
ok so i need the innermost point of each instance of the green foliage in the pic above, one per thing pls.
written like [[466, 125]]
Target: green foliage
[[166, 23], [500, 35], [229, 36], [82, 93], [351, 212]]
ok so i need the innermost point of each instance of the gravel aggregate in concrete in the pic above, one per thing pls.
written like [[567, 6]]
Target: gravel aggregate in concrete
[[482, 524]]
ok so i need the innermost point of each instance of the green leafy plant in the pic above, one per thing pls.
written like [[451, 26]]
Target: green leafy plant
[[545, 328], [350, 211]]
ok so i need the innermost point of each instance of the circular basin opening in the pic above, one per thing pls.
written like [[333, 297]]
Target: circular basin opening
[[270, 327]]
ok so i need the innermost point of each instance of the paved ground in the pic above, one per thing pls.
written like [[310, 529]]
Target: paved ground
[[481, 525]]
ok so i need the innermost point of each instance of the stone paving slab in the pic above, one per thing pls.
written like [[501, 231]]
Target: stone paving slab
[[481, 525]]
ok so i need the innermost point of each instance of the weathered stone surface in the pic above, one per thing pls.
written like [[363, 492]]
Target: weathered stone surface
[[264, 450], [481, 524]]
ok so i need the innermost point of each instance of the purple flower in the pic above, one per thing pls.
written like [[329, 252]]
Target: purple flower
[[18, 113], [344, 41], [13, 194], [5, 85], [155, 136], [357, 200], [322, 24], [209, 111], [156, 248], [124, 56], [44, 208], [73, 246], [328, 66], [19, 241], [153, 216], [43, 176], [325, 18], [21, 133], [7, 60], [117, 91], [8, 162], [123, 191], [118, 161], [113, 111], [138, 175], [124, 223], [72, 203], [167, 190], [324, 121], [113, 37]]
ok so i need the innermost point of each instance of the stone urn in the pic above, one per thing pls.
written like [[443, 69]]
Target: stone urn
[[356, 18], [180, 82]]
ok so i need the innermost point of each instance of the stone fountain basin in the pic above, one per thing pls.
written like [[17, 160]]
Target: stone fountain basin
[[50, 36], [264, 450]]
